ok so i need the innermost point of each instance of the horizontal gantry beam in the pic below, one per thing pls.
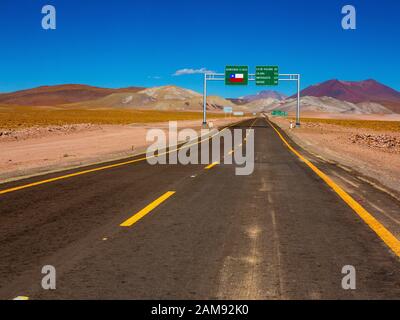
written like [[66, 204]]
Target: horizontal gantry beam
[[252, 77]]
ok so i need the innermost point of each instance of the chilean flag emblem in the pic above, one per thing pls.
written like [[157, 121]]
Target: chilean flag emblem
[[236, 77]]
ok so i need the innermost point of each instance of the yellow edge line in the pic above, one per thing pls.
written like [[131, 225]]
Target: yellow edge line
[[106, 167], [69, 176], [391, 241], [139, 215]]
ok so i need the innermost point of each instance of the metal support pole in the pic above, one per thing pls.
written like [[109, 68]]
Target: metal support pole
[[298, 102], [205, 100]]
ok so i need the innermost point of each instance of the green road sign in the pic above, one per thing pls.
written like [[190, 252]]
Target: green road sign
[[279, 113], [267, 75], [236, 75]]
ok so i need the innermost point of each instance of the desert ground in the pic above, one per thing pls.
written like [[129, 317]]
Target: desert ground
[[51, 140], [368, 144]]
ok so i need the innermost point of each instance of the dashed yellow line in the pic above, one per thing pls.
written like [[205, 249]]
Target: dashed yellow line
[[37, 183], [387, 237], [21, 298], [245, 139], [139, 215], [230, 152], [211, 165]]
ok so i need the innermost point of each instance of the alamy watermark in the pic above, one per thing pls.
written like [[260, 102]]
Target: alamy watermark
[[202, 148], [349, 21], [49, 18], [49, 280], [349, 280]]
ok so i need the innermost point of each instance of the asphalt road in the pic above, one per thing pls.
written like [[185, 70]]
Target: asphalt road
[[279, 233]]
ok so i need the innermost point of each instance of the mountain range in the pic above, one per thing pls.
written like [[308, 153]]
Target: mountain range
[[76, 96], [367, 96]]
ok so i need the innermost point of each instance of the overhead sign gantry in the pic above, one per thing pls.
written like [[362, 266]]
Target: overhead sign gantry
[[240, 76]]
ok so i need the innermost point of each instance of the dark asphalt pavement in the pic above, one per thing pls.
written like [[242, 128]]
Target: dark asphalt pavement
[[279, 233]]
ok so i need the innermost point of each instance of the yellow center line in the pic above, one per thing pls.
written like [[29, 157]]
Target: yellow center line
[[245, 139], [211, 165], [387, 237], [139, 215], [37, 183], [21, 298]]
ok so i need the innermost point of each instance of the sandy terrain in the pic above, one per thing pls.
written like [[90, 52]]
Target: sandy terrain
[[373, 153], [33, 151]]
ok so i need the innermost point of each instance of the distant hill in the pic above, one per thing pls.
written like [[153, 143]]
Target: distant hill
[[59, 94], [329, 105], [170, 93], [261, 104], [356, 92], [237, 101], [265, 94]]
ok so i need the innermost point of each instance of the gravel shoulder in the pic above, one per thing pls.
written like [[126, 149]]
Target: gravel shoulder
[[375, 154]]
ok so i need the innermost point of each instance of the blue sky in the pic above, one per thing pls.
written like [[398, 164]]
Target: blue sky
[[126, 43]]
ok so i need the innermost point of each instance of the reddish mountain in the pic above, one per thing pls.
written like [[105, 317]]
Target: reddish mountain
[[356, 91], [59, 94]]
